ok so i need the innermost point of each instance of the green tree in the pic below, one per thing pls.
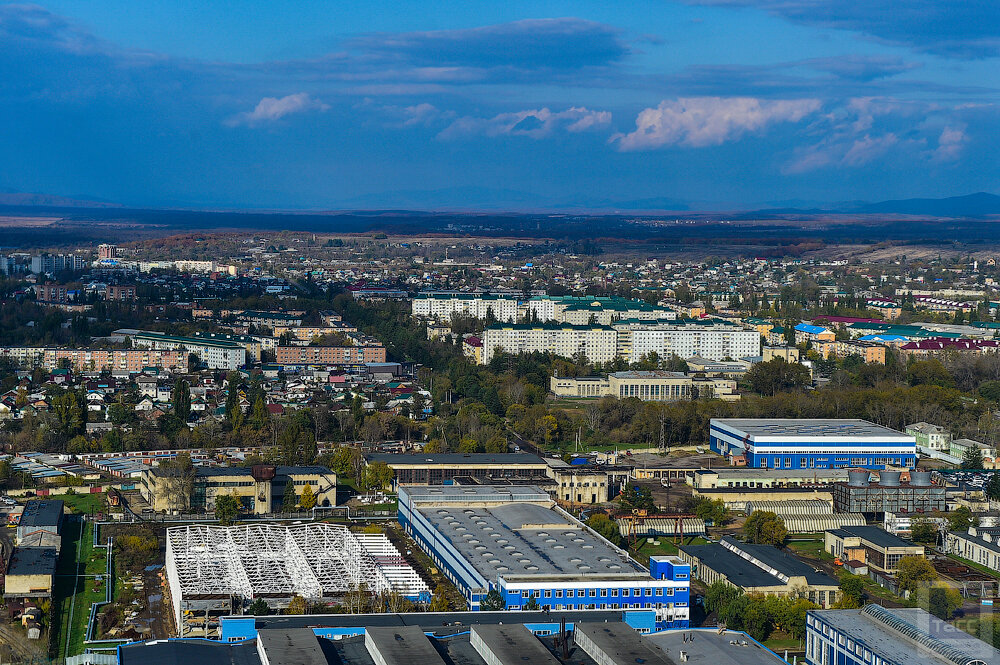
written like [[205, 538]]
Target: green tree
[[992, 488], [972, 458], [637, 497], [852, 592], [776, 376], [288, 498], [765, 528], [259, 418], [181, 398], [308, 499], [493, 602], [227, 508], [923, 530], [258, 608], [70, 413], [439, 602], [712, 511], [720, 595], [605, 526], [531, 606], [913, 571], [297, 605], [959, 519], [942, 601], [376, 476]]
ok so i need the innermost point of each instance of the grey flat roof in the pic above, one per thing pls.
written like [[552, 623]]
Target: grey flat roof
[[893, 644], [517, 540], [619, 644], [33, 561], [189, 652], [401, 645], [786, 563], [291, 646], [807, 427], [42, 513], [430, 620], [875, 535], [708, 647], [738, 570], [513, 643], [420, 459]]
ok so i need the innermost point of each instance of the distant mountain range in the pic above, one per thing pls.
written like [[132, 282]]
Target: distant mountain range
[[11, 198], [488, 199]]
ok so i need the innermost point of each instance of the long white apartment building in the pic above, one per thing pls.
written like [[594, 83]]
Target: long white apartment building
[[443, 305], [582, 310], [598, 343], [712, 339]]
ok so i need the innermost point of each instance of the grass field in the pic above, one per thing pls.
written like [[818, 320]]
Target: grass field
[[85, 504], [810, 548], [642, 550], [78, 555]]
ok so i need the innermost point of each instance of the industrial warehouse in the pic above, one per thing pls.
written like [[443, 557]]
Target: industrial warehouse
[[212, 570], [516, 541], [789, 443]]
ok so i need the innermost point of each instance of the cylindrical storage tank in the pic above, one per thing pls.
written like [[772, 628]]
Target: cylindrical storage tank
[[920, 478], [888, 478], [857, 478]]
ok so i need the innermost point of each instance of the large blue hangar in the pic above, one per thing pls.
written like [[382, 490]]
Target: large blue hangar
[[515, 540], [790, 443]]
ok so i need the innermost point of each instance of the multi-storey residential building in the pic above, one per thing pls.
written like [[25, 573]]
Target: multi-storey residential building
[[711, 339], [329, 355], [27, 357], [481, 306], [52, 263], [121, 292], [107, 252], [930, 437], [215, 353], [597, 343], [116, 360], [54, 293], [581, 310]]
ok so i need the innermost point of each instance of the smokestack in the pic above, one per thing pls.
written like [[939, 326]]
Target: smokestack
[[857, 478], [888, 478], [920, 478]]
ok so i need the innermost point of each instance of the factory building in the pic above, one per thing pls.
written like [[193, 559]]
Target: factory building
[[791, 443], [516, 541], [442, 468], [260, 488], [455, 638], [979, 544], [870, 545], [877, 635], [760, 569], [888, 495]]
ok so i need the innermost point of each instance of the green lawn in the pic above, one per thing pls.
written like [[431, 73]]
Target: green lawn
[[85, 503], [78, 553], [810, 548], [778, 642]]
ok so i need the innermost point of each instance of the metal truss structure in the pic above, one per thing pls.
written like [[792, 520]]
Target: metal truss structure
[[309, 560]]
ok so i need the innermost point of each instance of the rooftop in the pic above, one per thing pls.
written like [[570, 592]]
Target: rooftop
[[710, 647], [515, 532], [33, 561], [909, 635], [785, 428], [42, 513], [874, 535], [420, 459]]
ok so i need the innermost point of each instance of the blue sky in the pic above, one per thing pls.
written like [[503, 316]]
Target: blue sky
[[706, 103]]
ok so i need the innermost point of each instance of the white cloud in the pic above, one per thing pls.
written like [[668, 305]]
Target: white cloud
[[271, 109], [867, 148], [950, 144], [705, 121], [535, 123]]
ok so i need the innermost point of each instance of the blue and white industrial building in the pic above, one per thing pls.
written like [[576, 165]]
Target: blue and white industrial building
[[514, 539], [876, 635], [790, 443]]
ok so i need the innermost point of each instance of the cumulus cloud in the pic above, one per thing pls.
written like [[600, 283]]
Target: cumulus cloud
[[535, 123], [271, 109], [950, 144], [705, 121]]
